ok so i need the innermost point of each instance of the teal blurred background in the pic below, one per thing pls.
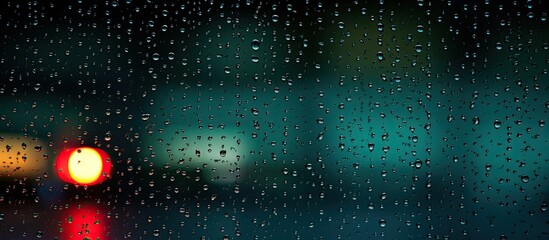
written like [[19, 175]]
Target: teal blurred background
[[267, 120]]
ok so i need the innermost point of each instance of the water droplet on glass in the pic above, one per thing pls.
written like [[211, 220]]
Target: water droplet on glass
[[497, 124], [418, 164], [476, 120], [145, 116], [371, 147], [320, 136], [418, 48], [156, 56], [499, 46], [380, 56], [382, 223], [255, 44], [255, 111], [543, 207], [255, 59]]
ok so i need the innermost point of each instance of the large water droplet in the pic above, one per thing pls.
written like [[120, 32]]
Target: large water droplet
[[145, 116], [497, 124], [380, 56], [255, 44], [418, 164], [382, 223]]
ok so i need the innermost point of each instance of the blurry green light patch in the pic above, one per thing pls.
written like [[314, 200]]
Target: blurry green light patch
[[221, 155], [200, 131]]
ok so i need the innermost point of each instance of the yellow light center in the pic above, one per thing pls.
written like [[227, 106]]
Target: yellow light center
[[85, 165]]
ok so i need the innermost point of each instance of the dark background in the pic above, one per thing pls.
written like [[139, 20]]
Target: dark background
[[351, 120]]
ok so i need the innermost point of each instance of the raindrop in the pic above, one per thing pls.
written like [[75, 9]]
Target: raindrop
[[108, 136], [418, 164], [418, 48], [380, 56], [320, 136], [380, 27], [145, 116], [371, 147], [497, 124], [499, 46], [476, 120], [255, 44], [255, 111], [543, 207], [255, 59], [382, 223]]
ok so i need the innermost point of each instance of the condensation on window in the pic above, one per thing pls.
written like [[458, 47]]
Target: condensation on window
[[274, 119]]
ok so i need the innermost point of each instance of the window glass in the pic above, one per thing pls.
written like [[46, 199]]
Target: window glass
[[274, 119]]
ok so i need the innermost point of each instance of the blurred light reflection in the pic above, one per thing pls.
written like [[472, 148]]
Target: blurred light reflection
[[84, 221]]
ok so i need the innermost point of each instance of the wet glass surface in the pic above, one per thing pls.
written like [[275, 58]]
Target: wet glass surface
[[272, 120]]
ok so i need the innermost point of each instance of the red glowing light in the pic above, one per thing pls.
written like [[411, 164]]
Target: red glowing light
[[84, 222], [83, 166]]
